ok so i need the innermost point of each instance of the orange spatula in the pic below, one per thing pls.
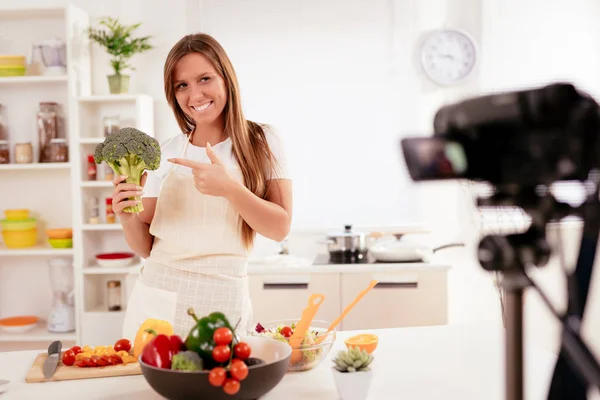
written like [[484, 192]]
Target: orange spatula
[[347, 310], [314, 302]]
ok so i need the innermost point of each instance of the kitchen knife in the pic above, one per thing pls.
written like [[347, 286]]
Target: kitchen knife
[[53, 357]]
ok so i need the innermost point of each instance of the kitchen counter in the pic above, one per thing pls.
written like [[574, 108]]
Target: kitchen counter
[[442, 362], [285, 264]]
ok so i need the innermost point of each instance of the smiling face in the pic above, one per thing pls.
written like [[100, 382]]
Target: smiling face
[[199, 89]]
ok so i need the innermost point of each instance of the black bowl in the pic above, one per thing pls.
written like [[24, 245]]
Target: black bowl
[[262, 378]]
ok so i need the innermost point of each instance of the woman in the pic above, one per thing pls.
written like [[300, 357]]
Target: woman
[[219, 183]]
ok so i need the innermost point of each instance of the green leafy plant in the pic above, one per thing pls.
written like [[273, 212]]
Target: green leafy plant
[[352, 360], [119, 42]]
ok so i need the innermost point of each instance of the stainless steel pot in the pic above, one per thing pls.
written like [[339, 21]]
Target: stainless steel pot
[[346, 242]]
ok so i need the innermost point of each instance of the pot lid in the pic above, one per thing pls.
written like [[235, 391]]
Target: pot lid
[[347, 232]]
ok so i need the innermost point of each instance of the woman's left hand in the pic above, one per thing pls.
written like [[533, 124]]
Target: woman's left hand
[[211, 179]]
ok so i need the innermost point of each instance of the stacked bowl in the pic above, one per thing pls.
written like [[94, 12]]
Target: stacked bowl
[[60, 238], [18, 229], [12, 65]]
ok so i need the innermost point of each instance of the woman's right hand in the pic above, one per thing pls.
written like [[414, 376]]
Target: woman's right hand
[[121, 194]]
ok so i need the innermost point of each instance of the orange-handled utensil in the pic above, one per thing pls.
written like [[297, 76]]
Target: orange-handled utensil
[[314, 302], [347, 310]]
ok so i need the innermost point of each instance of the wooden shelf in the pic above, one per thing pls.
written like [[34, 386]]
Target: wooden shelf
[[32, 12], [38, 250], [32, 79], [35, 166], [96, 184], [38, 334], [102, 227], [133, 269]]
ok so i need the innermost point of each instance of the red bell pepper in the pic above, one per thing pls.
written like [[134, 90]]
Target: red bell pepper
[[160, 351]]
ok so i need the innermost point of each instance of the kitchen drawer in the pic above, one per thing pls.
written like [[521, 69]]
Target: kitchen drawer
[[400, 299], [277, 297]]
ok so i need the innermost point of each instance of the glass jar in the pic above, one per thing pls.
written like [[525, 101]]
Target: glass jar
[[47, 125], [92, 171], [3, 124], [108, 173], [58, 151], [23, 153], [4, 152], [113, 295], [95, 211], [111, 125], [110, 214]]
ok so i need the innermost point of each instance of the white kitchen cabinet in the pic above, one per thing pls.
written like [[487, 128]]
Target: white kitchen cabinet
[[277, 297], [400, 299]]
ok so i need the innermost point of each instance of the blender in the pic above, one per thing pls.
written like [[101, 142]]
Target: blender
[[62, 315], [53, 56]]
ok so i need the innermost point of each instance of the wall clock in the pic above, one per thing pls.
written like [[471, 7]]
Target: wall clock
[[448, 56]]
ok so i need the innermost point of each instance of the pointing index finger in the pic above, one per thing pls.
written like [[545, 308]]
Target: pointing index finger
[[185, 162]]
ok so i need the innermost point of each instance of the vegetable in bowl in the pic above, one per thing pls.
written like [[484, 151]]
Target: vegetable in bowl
[[313, 349]]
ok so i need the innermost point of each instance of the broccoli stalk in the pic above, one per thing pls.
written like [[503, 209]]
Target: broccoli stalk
[[129, 152]]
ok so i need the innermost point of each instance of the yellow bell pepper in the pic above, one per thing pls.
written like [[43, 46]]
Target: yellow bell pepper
[[143, 337]]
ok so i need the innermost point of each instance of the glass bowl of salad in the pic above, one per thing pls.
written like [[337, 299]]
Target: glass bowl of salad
[[313, 349]]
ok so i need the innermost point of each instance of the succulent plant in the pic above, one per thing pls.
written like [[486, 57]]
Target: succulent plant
[[352, 360]]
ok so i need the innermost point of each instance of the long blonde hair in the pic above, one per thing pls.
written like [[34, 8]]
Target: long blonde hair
[[250, 147]]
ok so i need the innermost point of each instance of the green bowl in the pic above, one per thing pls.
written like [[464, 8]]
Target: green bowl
[[18, 224], [12, 70], [61, 243]]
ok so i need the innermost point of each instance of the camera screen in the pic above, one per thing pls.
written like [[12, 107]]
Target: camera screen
[[434, 158]]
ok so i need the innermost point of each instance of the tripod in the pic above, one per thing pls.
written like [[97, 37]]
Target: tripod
[[511, 255]]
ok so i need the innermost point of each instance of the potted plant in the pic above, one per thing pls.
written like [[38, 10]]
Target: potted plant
[[352, 373], [118, 41]]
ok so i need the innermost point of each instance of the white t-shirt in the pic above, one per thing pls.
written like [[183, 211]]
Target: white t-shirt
[[173, 148]]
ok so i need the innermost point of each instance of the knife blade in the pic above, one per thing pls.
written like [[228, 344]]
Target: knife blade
[[51, 362]]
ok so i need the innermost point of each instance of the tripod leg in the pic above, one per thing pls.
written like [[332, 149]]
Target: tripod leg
[[514, 343]]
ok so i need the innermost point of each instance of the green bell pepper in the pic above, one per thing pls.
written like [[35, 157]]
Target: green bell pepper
[[200, 339]]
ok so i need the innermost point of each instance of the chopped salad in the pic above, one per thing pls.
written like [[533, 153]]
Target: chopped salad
[[284, 333]]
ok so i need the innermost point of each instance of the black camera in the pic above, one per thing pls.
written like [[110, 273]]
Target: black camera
[[522, 142]]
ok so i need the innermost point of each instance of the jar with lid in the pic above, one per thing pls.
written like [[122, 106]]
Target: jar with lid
[[110, 214], [58, 150], [94, 211], [3, 124], [47, 125], [111, 125], [113, 295], [92, 171], [23, 153], [108, 173], [4, 152]]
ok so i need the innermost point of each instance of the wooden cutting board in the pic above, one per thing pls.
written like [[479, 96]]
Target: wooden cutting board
[[64, 373]]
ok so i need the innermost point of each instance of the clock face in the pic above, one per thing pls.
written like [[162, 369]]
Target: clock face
[[448, 57]]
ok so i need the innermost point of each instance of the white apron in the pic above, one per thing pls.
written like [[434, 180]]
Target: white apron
[[197, 260]]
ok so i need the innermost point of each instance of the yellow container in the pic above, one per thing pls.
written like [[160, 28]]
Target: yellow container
[[14, 60], [20, 239], [12, 70], [18, 224], [17, 214]]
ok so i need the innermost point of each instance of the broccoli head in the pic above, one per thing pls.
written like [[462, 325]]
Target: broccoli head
[[187, 361], [129, 152]]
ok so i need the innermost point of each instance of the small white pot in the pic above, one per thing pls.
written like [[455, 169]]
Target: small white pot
[[352, 385]]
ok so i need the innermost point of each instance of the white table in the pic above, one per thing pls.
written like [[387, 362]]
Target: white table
[[445, 362]]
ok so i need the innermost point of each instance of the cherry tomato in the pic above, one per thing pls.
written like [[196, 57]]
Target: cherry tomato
[[122, 345], [238, 370], [216, 377], [75, 349], [68, 358], [101, 361], [223, 336], [221, 353], [242, 350], [231, 386], [286, 331], [114, 359], [81, 363], [88, 362]]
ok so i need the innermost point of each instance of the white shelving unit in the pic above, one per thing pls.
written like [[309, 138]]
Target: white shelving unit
[[59, 194]]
